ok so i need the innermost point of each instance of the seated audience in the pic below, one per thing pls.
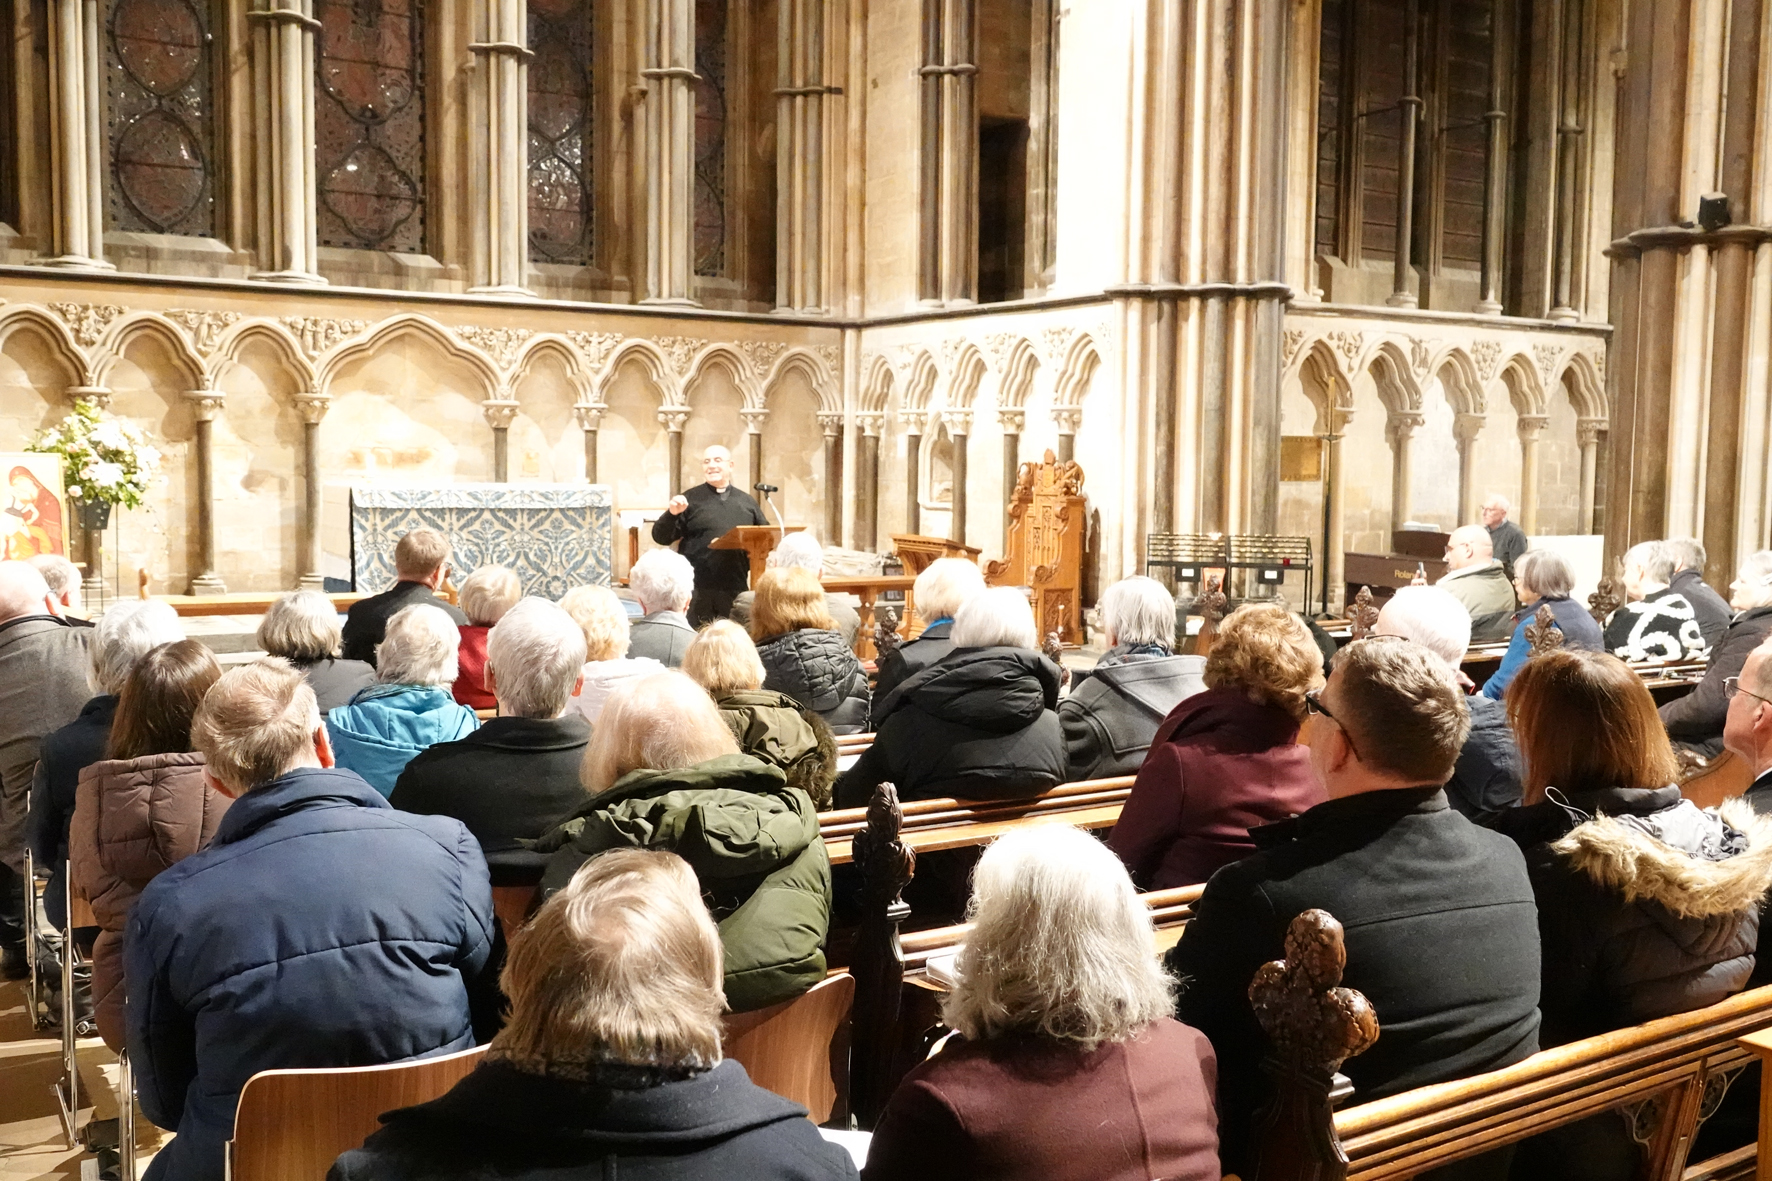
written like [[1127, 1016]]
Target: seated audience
[[1067, 1061], [485, 596], [1656, 622], [514, 777], [1695, 721], [981, 723], [1226, 760], [664, 772], [42, 688], [802, 652], [421, 567], [939, 593], [1647, 906], [1543, 579], [128, 631], [1712, 609], [319, 928], [1747, 732], [603, 619], [1110, 717], [1441, 931], [302, 627], [143, 808], [1479, 583], [609, 1064], [769, 726], [409, 707], [1485, 781], [63, 579], [664, 582], [801, 551]]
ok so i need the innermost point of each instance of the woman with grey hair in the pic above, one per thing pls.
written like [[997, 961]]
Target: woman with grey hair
[[1067, 1062], [939, 592], [1695, 721], [409, 707], [1543, 578], [981, 723], [664, 582], [303, 628], [125, 633], [1113, 712]]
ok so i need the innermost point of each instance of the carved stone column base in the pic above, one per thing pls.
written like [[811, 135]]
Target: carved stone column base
[[313, 582], [504, 291], [74, 262], [208, 584]]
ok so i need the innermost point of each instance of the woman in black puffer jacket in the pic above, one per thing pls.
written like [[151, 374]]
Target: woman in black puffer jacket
[[1647, 905], [981, 723], [803, 653]]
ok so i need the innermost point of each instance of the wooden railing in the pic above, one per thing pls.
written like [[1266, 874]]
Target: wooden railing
[[929, 825]]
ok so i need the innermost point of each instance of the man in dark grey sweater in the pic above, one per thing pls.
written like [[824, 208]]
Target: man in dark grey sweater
[[702, 515]]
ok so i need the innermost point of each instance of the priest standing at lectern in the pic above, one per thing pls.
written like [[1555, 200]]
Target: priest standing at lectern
[[704, 514]]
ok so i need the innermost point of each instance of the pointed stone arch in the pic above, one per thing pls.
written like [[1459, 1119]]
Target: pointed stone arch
[[288, 350], [821, 379], [54, 332], [426, 329], [1017, 380], [645, 354], [584, 381], [126, 328]]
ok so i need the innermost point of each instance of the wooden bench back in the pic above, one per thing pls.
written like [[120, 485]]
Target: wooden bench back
[[798, 1048], [292, 1124], [929, 825]]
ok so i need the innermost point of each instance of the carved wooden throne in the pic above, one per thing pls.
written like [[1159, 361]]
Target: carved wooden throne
[[1044, 549]]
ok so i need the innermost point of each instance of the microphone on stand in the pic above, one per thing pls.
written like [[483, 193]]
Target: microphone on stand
[[781, 526], [765, 488]]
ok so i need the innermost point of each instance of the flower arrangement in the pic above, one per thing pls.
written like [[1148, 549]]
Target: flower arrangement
[[105, 460]]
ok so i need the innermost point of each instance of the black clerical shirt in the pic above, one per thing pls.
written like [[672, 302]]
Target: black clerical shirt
[[720, 575]]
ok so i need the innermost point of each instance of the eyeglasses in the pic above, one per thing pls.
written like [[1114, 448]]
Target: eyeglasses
[[1732, 686], [1313, 701]]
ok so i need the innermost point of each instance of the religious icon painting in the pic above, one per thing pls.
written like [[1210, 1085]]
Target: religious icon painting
[[34, 515]]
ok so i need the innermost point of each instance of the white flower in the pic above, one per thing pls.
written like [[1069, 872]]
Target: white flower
[[108, 434], [74, 491], [106, 474]]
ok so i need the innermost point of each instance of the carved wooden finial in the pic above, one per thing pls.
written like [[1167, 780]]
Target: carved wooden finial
[[1543, 634], [877, 959], [1053, 648], [886, 637], [887, 864], [1606, 599], [1212, 603], [1313, 1026], [1363, 615]]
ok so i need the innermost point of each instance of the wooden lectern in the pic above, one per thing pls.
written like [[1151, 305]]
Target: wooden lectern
[[755, 540], [917, 550]]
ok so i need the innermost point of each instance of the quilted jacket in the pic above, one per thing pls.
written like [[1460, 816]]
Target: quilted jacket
[[818, 670]]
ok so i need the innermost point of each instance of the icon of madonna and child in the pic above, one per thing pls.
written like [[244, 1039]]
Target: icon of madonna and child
[[33, 520]]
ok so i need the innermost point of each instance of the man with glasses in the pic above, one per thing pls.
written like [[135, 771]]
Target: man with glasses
[[1747, 728], [1477, 581], [1439, 918]]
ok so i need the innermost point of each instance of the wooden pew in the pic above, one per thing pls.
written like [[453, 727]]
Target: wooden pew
[[929, 825]]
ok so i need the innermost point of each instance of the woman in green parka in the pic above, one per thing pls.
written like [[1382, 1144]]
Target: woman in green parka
[[665, 772]]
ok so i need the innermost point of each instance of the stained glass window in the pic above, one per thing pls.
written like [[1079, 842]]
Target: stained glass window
[[369, 124], [162, 137], [710, 137], [560, 211]]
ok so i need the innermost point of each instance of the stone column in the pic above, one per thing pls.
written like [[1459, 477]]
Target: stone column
[[92, 587], [914, 421], [959, 424], [1531, 427], [799, 155], [1067, 419], [754, 421], [1409, 113], [205, 405], [1587, 433], [1013, 422], [1495, 174], [673, 418], [500, 413], [832, 492], [499, 204], [668, 123], [313, 408], [867, 481], [929, 103], [1464, 432], [1564, 260], [1401, 428], [590, 418], [959, 152], [283, 141], [76, 106], [1335, 511]]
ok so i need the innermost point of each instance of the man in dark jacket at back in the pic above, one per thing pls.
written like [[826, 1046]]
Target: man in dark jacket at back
[[421, 564], [1713, 611], [1441, 928], [517, 775], [320, 928]]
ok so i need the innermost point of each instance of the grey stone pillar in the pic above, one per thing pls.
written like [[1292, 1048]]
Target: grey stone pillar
[[283, 141], [867, 481], [1401, 428], [832, 492], [313, 408], [76, 105], [799, 155], [913, 454], [1587, 433], [754, 421], [668, 143], [959, 424], [1068, 419], [205, 405], [1464, 432], [1013, 422], [500, 413], [673, 418], [590, 418], [1531, 427], [499, 106]]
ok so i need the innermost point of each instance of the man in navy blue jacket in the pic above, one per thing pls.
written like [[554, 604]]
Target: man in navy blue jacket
[[320, 928]]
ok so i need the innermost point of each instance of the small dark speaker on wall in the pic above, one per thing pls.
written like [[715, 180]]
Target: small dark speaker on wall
[[1713, 211]]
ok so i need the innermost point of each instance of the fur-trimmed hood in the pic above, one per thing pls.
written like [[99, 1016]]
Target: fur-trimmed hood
[[1695, 863]]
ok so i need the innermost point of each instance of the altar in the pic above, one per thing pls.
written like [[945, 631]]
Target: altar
[[555, 536]]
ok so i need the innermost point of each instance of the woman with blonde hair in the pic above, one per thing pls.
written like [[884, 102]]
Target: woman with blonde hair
[[802, 651], [1226, 760], [771, 726], [598, 611], [609, 1063], [485, 596], [664, 772], [1067, 1062]]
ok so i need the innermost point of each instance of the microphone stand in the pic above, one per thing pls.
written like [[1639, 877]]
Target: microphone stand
[[781, 525]]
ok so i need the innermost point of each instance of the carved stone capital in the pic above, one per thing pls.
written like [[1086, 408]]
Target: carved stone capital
[[98, 395], [589, 415], [1012, 421], [1465, 428], [959, 422], [1401, 427], [1531, 426], [832, 424], [914, 420], [499, 412], [1067, 419], [313, 407], [754, 420], [1589, 430], [205, 404], [673, 417], [870, 423]]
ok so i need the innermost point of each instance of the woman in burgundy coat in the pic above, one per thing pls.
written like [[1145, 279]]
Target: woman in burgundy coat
[[1226, 760], [1067, 1064]]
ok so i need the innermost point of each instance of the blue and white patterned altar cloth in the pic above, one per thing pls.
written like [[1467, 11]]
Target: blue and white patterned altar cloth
[[555, 536]]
